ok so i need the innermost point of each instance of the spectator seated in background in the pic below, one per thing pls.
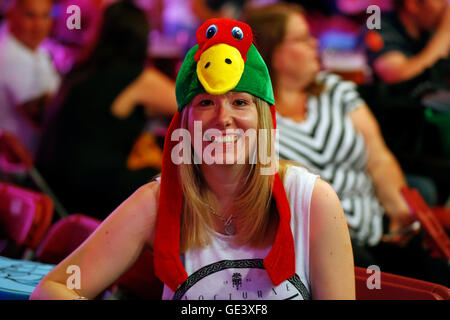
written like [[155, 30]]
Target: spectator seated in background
[[100, 112], [410, 58], [27, 75], [416, 37], [324, 124]]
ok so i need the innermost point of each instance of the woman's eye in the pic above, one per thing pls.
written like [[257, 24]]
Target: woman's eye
[[205, 103], [240, 102]]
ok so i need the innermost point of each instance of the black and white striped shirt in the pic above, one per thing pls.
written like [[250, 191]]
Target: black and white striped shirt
[[328, 144]]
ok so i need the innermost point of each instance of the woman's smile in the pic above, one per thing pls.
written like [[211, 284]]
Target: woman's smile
[[225, 139]]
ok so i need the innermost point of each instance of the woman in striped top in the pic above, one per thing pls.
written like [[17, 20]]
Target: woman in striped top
[[325, 125]]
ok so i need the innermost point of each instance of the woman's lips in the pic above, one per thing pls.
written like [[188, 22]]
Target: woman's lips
[[224, 139]]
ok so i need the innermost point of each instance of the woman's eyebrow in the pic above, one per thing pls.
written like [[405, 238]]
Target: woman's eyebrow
[[202, 96], [238, 93]]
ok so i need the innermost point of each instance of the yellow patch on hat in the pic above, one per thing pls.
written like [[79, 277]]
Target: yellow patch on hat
[[220, 68]]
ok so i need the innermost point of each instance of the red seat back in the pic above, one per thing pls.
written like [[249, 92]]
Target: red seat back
[[428, 220], [393, 287], [64, 237], [69, 233], [13, 155], [443, 215], [25, 215]]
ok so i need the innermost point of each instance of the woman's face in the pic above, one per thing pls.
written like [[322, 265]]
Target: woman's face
[[297, 57], [224, 121]]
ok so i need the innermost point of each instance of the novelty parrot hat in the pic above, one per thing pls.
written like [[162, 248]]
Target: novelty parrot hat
[[224, 59]]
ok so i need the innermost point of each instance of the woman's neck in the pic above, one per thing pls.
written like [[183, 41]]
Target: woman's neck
[[223, 181], [291, 103]]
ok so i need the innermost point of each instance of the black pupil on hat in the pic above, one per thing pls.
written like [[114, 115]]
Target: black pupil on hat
[[211, 31], [237, 33]]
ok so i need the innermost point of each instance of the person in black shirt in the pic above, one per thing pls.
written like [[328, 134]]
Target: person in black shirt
[[415, 38], [99, 114], [410, 59]]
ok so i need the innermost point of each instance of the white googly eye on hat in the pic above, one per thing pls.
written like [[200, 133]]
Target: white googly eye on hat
[[237, 33], [211, 31]]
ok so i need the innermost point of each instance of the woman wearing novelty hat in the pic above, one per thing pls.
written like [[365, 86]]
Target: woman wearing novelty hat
[[221, 224]]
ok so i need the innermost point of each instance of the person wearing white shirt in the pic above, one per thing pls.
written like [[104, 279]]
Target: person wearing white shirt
[[27, 75]]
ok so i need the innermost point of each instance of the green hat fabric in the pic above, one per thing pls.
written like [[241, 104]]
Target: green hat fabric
[[255, 79]]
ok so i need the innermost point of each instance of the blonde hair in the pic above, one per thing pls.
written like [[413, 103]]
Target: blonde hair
[[257, 215]]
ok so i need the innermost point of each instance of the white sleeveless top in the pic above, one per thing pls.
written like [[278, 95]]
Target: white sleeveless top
[[224, 271]]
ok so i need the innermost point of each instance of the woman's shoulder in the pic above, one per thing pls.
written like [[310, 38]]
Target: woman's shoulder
[[143, 201], [328, 79], [296, 173], [147, 192], [290, 170], [332, 81], [345, 91], [299, 183]]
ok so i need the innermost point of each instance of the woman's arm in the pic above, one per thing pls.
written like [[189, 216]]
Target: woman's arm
[[108, 252], [332, 272], [153, 90], [384, 170], [157, 93]]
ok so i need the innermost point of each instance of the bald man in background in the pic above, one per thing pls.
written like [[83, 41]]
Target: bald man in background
[[27, 75]]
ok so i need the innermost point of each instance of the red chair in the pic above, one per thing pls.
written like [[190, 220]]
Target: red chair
[[436, 234], [14, 158], [443, 215], [16, 163], [69, 233], [393, 287], [64, 237], [25, 215]]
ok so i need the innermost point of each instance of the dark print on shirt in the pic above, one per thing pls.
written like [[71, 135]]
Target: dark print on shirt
[[238, 280]]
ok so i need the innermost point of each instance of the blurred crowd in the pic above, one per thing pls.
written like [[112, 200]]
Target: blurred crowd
[[92, 104]]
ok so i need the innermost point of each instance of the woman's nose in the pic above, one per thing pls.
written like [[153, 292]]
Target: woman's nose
[[224, 115]]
